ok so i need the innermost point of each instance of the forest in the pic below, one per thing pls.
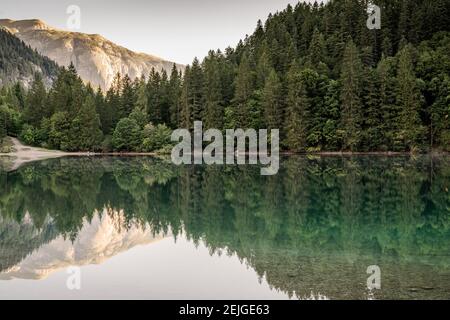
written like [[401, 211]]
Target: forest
[[314, 71]]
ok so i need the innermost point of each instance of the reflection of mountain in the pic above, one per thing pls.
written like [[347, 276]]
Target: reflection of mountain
[[314, 227], [98, 240], [18, 240]]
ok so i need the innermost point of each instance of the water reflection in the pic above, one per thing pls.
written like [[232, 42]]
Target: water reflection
[[312, 229]]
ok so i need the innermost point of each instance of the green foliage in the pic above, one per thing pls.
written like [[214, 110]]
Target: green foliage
[[127, 135], [18, 61], [59, 135], [314, 71], [29, 135], [35, 102], [87, 124], [273, 101], [156, 138], [351, 88], [298, 111], [409, 101]]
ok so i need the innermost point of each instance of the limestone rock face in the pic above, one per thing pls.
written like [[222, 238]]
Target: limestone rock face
[[96, 59]]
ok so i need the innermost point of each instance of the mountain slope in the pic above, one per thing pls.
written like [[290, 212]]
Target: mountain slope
[[18, 62], [97, 59]]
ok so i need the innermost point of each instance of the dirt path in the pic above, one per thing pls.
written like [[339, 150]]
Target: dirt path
[[22, 154]]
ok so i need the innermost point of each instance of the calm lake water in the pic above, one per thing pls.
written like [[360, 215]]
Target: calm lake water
[[143, 228]]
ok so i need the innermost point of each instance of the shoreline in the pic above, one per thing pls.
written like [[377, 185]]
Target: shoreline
[[23, 154]]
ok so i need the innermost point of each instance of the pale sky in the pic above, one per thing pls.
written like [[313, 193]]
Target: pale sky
[[176, 30]]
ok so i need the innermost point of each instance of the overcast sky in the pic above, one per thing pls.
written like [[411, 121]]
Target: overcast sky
[[177, 30]]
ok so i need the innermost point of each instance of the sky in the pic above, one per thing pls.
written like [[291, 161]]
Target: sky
[[176, 30]]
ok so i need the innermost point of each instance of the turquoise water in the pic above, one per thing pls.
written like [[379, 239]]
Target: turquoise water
[[141, 227]]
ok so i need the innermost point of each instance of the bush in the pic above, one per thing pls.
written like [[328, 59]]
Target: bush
[[127, 135], [156, 138], [28, 135]]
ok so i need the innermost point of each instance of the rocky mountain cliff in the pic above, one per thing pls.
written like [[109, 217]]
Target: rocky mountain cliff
[[97, 59]]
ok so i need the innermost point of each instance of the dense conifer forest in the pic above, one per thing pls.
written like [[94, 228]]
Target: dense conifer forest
[[314, 71], [18, 62]]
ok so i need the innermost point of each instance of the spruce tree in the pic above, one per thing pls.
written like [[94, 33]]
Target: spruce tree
[[350, 97], [244, 84], [175, 97], [35, 102], [272, 101], [409, 101], [154, 97], [128, 98], [213, 93], [89, 136], [297, 111]]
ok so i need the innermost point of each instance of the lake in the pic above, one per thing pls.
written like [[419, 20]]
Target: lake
[[143, 228]]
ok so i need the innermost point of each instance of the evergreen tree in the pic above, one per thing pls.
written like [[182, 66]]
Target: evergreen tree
[[127, 135], [409, 101], [244, 85], [174, 93], [89, 135], [128, 98], [272, 101], [350, 97], [297, 111], [192, 95], [317, 49], [35, 102], [213, 93], [154, 97], [372, 137]]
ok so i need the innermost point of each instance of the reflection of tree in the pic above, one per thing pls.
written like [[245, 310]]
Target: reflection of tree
[[315, 211]]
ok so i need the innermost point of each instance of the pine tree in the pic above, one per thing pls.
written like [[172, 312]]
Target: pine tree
[[440, 114], [297, 111], [272, 101], [389, 110], [317, 49], [140, 113], [185, 107], [154, 97], [35, 102], [409, 101], [372, 137], [89, 136], [244, 83], [128, 98], [67, 93], [164, 97], [213, 94], [196, 85], [175, 97], [350, 97], [19, 93]]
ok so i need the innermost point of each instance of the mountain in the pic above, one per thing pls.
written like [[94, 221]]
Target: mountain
[[18, 62], [96, 59]]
